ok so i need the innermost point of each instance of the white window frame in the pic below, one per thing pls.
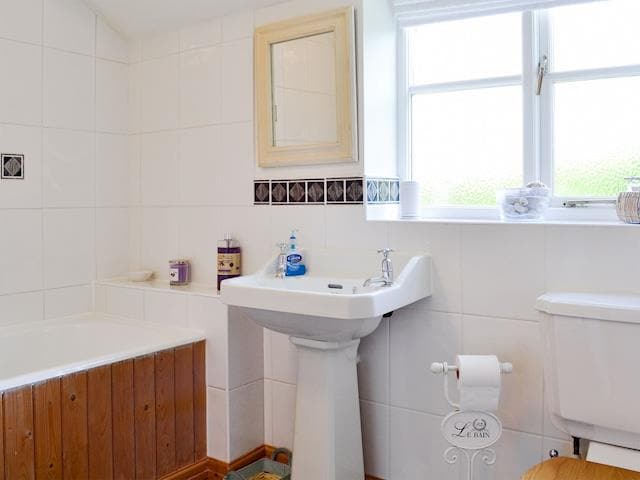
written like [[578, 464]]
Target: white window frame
[[537, 120]]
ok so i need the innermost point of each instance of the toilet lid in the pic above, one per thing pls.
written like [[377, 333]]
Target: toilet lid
[[564, 468]]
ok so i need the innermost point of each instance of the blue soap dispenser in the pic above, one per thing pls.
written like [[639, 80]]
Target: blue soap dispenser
[[295, 258]]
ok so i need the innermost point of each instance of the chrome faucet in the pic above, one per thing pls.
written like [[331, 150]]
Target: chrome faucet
[[281, 263], [386, 279]]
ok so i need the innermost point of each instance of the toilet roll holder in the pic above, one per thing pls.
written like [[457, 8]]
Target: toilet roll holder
[[470, 433], [444, 368]]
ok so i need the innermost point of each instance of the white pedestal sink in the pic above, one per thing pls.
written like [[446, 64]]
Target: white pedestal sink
[[325, 313]]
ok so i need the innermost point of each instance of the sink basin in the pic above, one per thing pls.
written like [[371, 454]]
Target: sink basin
[[329, 303], [325, 313]]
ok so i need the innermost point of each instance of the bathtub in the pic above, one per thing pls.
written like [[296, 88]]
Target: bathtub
[[97, 396], [34, 352]]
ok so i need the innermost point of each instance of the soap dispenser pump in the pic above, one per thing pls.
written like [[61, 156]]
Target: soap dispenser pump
[[295, 259]]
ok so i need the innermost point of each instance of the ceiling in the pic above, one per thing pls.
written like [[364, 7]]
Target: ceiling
[[136, 18]]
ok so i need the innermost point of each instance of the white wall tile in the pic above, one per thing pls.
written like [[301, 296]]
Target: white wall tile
[[268, 412], [419, 338], [135, 238], [135, 98], [100, 298], [245, 349], [62, 302], [237, 81], [284, 412], [347, 227], [69, 90], [112, 101], [69, 253], [21, 270], [237, 153], [592, 259], [21, 20], [210, 315], [135, 51], [160, 45], [516, 453], [26, 193], [21, 95], [159, 240], [217, 424], [201, 35], [198, 149], [69, 25], [110, 44], [246, 418], [112, 242], [502, 270], [159, 168], [442, 242], [165, 308], [518, 342], [198, 233], [373, 368], [284, 358], [113, 171], [375, 438], [249, 225], [201, 87], [134, 150], [309, 220], [416, 447], [21, 308], [69, 168], [160, 93], [126, 302], [237, 25]]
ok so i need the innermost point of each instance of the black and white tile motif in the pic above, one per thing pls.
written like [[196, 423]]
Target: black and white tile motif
[[330, 191], [354, 190], [297, 192], [12, 166], [261, 192], [315, 191], [335, 190], [279, 192]]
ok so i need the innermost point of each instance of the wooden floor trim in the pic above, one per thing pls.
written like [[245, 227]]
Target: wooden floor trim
[[212, 469]]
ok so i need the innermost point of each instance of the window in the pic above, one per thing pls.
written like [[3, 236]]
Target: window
[[475, 121]]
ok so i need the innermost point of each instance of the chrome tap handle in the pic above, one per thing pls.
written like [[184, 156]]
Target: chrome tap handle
[[385, 251]]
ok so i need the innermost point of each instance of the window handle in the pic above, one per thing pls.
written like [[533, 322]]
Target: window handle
[[542, 70]]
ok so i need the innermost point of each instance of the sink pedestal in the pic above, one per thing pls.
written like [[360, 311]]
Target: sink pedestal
[[327, 442]]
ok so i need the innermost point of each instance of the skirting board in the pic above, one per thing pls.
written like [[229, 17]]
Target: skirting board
[[212, 469]]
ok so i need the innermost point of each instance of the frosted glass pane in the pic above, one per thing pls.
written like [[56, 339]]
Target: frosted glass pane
[[467, 144], [596, 140], [475, 48], [600, 34]]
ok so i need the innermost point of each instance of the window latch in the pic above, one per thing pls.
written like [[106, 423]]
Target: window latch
[[542, 70]]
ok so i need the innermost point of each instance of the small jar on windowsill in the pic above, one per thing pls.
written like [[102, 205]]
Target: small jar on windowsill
[[628, 204]]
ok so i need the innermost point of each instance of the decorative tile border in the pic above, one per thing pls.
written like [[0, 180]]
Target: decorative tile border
[[326, 191]]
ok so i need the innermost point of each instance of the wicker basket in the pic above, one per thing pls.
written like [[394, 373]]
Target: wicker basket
[[628, 207], [265, 468]]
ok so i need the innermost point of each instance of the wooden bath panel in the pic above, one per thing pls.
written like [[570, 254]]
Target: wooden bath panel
[[142, 418]]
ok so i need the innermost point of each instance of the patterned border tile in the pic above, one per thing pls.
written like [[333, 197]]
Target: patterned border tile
[[326, 191]]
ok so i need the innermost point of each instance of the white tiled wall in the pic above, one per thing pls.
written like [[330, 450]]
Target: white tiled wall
[[63, 104], [197, 165]]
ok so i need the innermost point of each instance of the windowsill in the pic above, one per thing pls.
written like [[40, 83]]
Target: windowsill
[[589, 216], [159, 286]]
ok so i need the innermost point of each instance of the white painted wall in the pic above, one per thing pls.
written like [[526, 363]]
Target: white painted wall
[[63, 104]]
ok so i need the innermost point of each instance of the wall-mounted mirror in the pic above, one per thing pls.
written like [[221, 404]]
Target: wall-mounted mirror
[[305, 90]]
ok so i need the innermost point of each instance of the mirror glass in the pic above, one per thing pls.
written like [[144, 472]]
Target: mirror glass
[[303, 72]]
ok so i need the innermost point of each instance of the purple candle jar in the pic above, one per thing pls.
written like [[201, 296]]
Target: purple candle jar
[[179, 272]]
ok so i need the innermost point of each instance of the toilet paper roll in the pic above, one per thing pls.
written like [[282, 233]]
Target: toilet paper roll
[[409, 199], [478, 382]]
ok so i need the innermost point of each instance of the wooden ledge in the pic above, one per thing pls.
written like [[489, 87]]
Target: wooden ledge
[[564, 468]]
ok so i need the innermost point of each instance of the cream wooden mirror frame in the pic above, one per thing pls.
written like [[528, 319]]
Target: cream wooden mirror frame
[[341, 23]]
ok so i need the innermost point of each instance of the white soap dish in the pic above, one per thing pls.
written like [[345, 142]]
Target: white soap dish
[[140, 275]]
